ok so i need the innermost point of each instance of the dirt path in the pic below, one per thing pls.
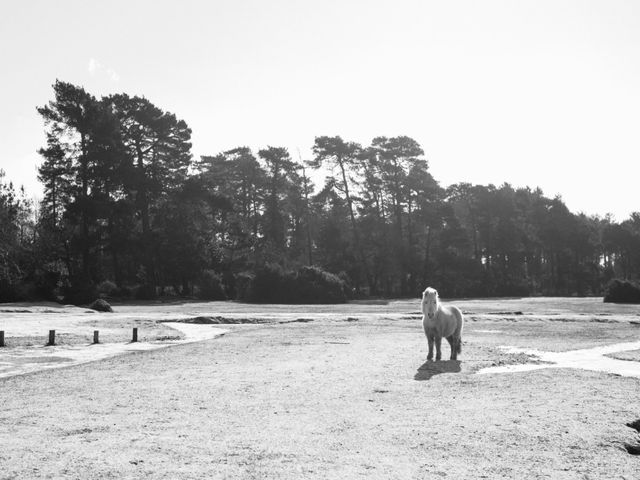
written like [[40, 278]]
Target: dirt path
[[324, 399]]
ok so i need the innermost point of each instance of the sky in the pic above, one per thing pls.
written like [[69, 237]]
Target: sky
[[534, 93]]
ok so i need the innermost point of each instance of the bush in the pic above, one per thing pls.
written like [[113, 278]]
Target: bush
[[516, 289], [101, 305], [211, 287], [144, 292], [622, 291], [269, 285], [229, 284], [314, 285], [79, 291], [272, 284], [49, 279], [243, 283], [7, 292], [123, 292], [107, 288]]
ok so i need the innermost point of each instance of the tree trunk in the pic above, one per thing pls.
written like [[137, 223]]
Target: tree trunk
[[85, 220], [427, 258], [143, 207], [356, 235]]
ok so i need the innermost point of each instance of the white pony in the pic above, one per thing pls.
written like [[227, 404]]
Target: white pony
[[440, 321]]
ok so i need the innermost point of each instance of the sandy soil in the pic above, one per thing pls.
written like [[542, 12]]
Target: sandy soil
[[599, 359], [633, 355], [345, 395], [28, 359], [29, 324]]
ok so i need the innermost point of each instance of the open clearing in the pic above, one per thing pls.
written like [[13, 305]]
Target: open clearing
[[321, 392]]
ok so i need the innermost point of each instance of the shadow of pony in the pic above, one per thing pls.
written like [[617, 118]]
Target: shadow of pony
[[429, 369]]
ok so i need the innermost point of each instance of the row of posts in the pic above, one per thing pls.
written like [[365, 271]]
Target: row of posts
[[52, 337]]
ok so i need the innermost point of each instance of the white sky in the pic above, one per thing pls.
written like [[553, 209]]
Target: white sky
[[538, 93]]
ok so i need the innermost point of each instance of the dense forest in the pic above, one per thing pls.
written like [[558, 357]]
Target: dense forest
[[128, 212]]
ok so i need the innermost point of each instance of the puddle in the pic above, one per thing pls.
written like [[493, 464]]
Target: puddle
[[594, 359], [21, 360]]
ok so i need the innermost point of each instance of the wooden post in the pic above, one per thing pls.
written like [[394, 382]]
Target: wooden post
[[95, 336], [1, 338], [52, 338], [135, 334]]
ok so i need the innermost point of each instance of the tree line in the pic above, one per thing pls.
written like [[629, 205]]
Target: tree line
[[128, 211]]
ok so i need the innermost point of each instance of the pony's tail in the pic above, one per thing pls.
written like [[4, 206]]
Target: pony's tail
[[459, 346]]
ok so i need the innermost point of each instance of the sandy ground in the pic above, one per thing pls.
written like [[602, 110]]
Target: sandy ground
[[599, 359], [343, 392], [29, 359], [29, 324]]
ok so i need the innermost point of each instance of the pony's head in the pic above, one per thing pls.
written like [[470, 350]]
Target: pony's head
[[430, 302]]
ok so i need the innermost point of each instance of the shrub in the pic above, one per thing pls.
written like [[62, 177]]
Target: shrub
[[145, 292], [622, 291], [243, 283], [7, 292], [49, 279], [269, 285], [101, 305], [79, 291], [516, 289], [107, 288], [314, 285], [211, 287], [272, 284], [229, 284], [123, 292]]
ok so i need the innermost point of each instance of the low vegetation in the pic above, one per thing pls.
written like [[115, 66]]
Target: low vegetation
[[621, 291], [307, 285]]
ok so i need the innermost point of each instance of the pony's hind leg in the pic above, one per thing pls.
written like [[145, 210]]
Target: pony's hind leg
[[438, 348], [453, 343]]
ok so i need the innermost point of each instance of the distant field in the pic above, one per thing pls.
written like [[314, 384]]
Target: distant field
[[324, 392]]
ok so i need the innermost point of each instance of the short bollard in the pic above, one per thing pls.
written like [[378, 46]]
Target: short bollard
[[1, 338], [135, 335], [52, 338], [95, 336]]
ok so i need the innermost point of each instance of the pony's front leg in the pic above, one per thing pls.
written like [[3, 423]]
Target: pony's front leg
[[438, 348], [430, 342]]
